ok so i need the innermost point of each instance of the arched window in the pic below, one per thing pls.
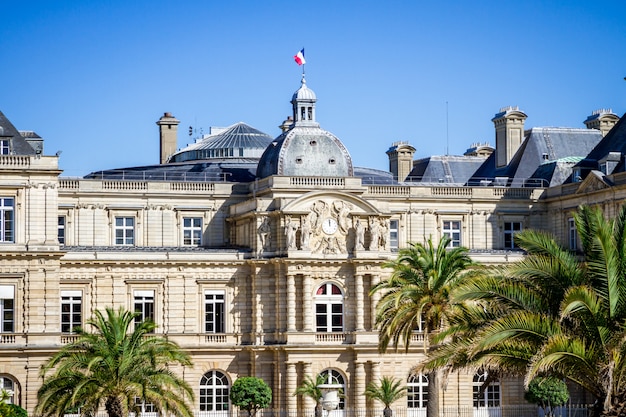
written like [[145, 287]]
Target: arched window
[[485, 397], [332, 376], [214, 391], [8, 385], [417, 395], [329, 308]]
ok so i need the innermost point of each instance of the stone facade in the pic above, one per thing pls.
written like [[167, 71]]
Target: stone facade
[[269, 278]]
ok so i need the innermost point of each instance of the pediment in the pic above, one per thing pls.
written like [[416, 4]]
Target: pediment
[[333, 200], [595, 181]]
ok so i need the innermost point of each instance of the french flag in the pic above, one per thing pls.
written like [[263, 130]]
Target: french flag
[[299, 57]]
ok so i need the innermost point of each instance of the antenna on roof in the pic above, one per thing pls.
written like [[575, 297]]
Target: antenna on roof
[[447, 132]]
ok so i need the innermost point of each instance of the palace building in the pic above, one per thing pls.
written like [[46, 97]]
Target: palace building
[[257, 254]]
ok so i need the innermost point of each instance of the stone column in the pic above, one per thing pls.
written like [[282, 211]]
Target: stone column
[[291, 302], [307, 305], [375, 279], [309, 403], [359, 388], [375, 377], [358, 284], [292, 400]]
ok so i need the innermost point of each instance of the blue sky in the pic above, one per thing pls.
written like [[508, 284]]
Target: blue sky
[[93, 77]]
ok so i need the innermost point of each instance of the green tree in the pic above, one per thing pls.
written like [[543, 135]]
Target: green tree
[[310, 388], [553, 313], [387, 391], [547, 393], [250, 393], [7, 409], [117, 367], [418, 291]]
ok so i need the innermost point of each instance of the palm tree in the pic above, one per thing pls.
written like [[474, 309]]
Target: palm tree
[[117, 368], [418, 292], [552, 313], [310, 388], [387, 391]]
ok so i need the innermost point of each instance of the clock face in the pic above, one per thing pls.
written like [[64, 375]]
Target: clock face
[[329, 226]]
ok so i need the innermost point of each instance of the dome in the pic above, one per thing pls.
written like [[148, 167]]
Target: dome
[[306, 151], [304, 92], [236, 141]]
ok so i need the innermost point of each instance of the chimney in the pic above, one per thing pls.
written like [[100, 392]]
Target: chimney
[[287, 124], [168, 126], [603, 120], [509, 123], [400, 160]]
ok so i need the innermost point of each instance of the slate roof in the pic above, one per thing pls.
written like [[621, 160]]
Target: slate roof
[[17, 143], [614, 141], [541, 144], [449, 169], [554, 172], [238, 140], [231, 170]]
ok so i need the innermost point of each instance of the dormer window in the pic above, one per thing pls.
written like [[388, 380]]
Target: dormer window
[[4, 147]]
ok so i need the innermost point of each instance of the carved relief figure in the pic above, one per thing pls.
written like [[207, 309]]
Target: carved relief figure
[[264, 232], [384, 233], [317, 214], [341, 211], [305, 232], [291, 228], [359, 235], [374, 233]]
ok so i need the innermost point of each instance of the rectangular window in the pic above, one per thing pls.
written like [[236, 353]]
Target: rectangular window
[[4, 147], [7, 308], [214, 312], [393, 235], [7, 216], [510, 230], [71, 311], [572, 233], [61, 230], [124, 230], [452, 229], [144, 305], [192, 231]]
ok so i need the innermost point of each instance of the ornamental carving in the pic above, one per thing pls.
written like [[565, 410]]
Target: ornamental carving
[[325, 228]]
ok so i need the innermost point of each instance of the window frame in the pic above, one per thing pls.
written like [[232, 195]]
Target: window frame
[[10, 388], [73, 298], [417, 392], [334, 377], [394, 235], [333, 308], [572, 234], [124, 229], [5, 147], [491, 396], [192, 229], [7, 225], [509, 232], [448, 229], [61, 229], [143, 299], [218, 394], [7, 309], [219, 317]]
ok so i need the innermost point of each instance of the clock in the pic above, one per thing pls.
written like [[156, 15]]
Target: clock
[[329, 226]]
